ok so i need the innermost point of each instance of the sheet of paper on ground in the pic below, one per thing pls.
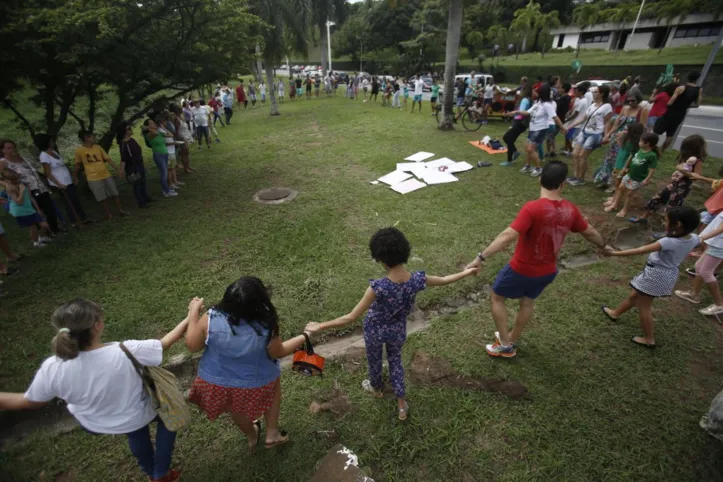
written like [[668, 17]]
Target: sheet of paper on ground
[[419, 156], [433, 176], [395, 177], [408, 186]]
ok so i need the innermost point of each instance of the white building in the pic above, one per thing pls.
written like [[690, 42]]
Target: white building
[[693, 29]]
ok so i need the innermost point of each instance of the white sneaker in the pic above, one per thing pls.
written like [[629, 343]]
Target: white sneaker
[[45, 239], [179, 183], [525, 169], [39, 244], [170, 194], [536, 172], [712, 310]]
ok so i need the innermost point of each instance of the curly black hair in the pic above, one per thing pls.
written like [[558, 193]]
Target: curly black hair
[[389, 246]]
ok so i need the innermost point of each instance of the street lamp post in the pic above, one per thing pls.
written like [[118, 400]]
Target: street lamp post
[[635, 25], [361, 53]]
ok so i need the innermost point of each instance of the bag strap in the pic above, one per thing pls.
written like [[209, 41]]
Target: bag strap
[[591, 116], [136, 364], [309, 349]]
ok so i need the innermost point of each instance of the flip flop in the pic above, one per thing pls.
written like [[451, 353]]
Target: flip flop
[[257, 423], [637, 220], [284, 439], [484, 164], [611, 318], [645, 345]]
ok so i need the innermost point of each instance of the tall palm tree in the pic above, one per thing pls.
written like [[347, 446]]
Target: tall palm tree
[[288, 21], [526, 21], [671, 12], [323, 11], [584, 16], [620, 15], [545, 23], [454, 30]]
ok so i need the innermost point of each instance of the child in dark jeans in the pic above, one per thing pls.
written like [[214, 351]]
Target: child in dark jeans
[[389, 300]]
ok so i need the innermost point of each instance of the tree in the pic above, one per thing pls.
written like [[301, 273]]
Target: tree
[[498, 35], [286, 20], [545, 24], [584, 16], [454, 30], [619, 15], [670, 12], [526, 21], [322, 12], [80, 53]]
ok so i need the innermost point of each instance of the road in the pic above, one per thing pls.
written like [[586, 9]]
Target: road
[[706, 120]]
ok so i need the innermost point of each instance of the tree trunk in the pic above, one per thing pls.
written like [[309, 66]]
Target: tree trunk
[[324, 50], [271, 87], [258, 64], [454, 28], [662, 44]]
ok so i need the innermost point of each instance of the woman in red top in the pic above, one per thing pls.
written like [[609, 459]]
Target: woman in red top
[[660, 100], [241, 94]]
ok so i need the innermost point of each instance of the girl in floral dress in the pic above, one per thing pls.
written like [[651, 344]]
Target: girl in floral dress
[[389, 300], [629, 114]]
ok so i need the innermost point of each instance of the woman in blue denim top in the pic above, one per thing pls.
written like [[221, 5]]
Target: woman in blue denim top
[[239, 371]]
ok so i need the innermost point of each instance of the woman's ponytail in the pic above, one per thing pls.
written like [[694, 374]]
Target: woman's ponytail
[[74, 321]]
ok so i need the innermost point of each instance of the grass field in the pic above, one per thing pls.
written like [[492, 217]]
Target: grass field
[[601, 408]]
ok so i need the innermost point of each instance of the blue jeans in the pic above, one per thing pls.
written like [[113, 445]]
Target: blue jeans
[[139, 189], [161, 161], [155, 463]]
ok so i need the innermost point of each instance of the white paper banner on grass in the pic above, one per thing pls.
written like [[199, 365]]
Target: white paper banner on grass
[[395, 177], [436, 177], [460, 167], [439, 163], [418, 169], [408, 186], [419, 156]]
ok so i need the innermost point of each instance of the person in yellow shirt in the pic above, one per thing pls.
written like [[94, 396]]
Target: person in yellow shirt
[[93, 159]]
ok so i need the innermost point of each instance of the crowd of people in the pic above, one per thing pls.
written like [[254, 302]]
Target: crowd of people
[[239, 372]]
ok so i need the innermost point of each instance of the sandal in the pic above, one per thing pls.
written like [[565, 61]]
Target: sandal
[[638, 220], [403, 412], [650, 346], [284, 438], [604, 308]]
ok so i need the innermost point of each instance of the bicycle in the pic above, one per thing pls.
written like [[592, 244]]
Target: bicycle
[[471, 119]]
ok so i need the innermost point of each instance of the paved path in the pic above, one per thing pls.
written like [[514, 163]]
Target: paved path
[[707, 121]]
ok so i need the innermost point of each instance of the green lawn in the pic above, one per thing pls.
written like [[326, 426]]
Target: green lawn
[[601, 408]]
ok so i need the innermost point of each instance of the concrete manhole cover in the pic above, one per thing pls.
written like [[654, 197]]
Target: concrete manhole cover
[[275, 195]]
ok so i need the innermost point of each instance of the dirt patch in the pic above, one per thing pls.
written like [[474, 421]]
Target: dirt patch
[[606, 281], [340, 465], [438, 372], [353, 359], [337, 403]]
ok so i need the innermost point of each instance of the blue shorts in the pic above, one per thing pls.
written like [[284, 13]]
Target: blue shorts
[[488, 101], [552, 131], [511, 284], [571, 133], [652, 121], [418, 98], [537, 137], [460, 101], [588, 141], [29, 220]]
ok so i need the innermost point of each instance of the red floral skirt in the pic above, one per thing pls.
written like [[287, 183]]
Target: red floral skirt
[[215, 399]]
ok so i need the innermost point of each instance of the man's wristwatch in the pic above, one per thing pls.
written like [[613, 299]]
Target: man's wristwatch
[[480, 256]]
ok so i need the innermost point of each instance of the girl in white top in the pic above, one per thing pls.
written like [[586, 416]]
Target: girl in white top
[[262, 91], [100, 385], [59, 177], [542, 114], [596, 117], [705, 268]]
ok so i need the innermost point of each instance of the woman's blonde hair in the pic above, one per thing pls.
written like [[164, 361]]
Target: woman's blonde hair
[[74, 321]]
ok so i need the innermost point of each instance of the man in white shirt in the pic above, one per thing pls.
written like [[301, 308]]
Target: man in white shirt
[[418, 91], [201, 119]]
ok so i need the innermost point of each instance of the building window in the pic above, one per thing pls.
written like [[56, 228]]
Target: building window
[[594, 38], [697, 31]]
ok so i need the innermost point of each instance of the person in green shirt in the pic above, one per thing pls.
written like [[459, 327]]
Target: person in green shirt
[[435, 94], [638, 171], [157, 142]]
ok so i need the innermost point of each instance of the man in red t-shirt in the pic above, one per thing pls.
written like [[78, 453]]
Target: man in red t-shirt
[[539, 229]]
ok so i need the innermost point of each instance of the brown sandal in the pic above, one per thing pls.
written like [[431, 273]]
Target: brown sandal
[[282, 441]]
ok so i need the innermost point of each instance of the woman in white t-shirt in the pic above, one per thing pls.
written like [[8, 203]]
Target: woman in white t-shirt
[[542, 114], [591, 133], [61, 181], [100, 385]]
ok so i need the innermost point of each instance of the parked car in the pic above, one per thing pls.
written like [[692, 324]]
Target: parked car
[[297, 68]]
